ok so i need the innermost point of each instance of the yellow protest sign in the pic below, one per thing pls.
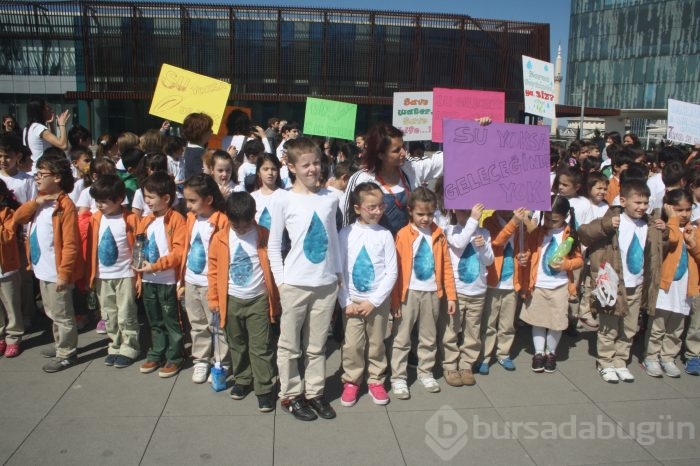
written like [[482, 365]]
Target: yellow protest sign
[[180, 92]]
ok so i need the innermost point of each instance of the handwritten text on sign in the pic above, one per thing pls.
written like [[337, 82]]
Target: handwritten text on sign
[[538, 83], [465, 105], [502, 165], [180, 92], [683, 122], [330, 118], [413, 114]]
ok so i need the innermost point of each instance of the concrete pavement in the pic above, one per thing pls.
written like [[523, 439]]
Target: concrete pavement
[[93, 414]]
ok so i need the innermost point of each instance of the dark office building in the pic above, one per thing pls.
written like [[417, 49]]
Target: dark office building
[[103, 57], [634, 53]]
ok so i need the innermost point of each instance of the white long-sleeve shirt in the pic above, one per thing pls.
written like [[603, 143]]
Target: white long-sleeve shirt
[[314, 257], [369, 265], [469, 263]]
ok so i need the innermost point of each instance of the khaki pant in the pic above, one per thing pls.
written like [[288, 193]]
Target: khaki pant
[[26, 289], [584, 310], [615, 333], [11, 321], [692, 338], [58, 306], [200, 318], [306, 317], [249, 336], [467, 321], [422, 307], [364, 341], [663, 338], [498, 323], [117, 297]]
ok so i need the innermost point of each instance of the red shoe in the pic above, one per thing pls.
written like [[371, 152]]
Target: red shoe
[[378, 394], [12, 350], [3, 347], [349, 396]]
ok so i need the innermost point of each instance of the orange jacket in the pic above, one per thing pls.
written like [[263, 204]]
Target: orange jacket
[[499, 239], [175, 233], [9, 248], [66, 238], [219, 260], [525, 282], [444, 277], [613, 190], [217, 219], [673, 256], [131, 221]]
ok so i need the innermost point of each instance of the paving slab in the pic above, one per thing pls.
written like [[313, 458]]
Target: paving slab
[[558, 435], [442, 441], [89, 440], [33, 394], [14, 431], [668, 428], [115, 393], [585, 377], [212, 440], [456, 397], [355, 438]]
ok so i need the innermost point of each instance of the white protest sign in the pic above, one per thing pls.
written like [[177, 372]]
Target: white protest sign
[[683, 122], [413, 114], [538, 84]]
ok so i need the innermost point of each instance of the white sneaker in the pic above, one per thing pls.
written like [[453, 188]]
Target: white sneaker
[[201, 370], [653, 368], [430, 384], [400, 389], [670, 368], [609, 374], [624, 374]]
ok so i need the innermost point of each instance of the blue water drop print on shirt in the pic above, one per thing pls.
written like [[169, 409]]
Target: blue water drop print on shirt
[[424, 262], [548, 253], [635, 256], [468, 268], [363, 272], [107, 251], [241, 269], [152, 252], [265, 219], [34, 249], [316, 241], [508, 266], [682, 264], [197, 257]]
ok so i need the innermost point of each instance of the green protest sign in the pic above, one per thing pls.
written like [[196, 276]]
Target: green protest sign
[[330, 118]]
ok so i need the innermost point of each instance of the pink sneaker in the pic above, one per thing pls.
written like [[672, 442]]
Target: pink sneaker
[[12, 350], [349, 397], [3, 347], [101, 327], [378, 394]]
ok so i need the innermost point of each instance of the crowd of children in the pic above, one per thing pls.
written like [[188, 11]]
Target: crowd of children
[[161, 222]]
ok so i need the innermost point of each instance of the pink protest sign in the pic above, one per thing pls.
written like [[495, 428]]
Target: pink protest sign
[[465, 105], [502, 165]]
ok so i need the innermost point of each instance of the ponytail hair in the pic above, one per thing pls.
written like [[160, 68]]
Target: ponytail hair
[[561, 206]]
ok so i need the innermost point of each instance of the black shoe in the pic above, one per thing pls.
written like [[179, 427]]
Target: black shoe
[[550, 363], [122, 361], [266, 402], [238, 392], [538, 362], [109, 360], [299, 409], [322, 407]]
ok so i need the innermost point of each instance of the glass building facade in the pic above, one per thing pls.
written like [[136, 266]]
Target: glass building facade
[[634, 53], [103, 57]]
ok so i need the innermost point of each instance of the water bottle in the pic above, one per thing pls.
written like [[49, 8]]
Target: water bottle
[[138, 256], [562, 251]]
